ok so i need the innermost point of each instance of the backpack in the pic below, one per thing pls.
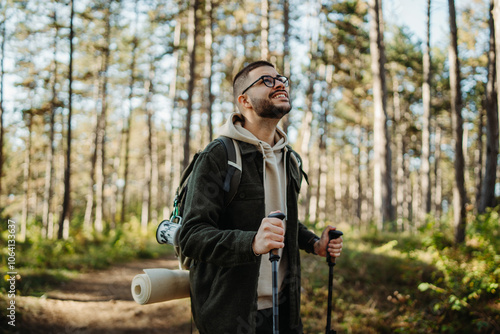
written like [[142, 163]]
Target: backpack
[[168, 230]]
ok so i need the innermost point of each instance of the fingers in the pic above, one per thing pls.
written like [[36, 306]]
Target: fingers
[[273, 231], [271, 235], [335, 247]]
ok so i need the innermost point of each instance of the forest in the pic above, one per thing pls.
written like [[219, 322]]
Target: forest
[[103, 103]]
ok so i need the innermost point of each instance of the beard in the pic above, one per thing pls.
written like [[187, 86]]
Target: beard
[[266, 109]]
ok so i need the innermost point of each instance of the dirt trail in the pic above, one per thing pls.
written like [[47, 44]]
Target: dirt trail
[[101, 302]]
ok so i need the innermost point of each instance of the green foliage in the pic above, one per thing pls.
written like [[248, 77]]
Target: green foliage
[[399, 283], [43, 263], [467, 287]]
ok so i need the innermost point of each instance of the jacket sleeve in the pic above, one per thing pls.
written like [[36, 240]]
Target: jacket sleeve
[[201, 237], [307, 239]]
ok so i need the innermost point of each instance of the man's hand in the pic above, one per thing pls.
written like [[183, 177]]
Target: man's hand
[[271, 235], [334, 247]]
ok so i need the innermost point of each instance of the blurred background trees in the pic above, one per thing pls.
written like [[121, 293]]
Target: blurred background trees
[[102, 107]]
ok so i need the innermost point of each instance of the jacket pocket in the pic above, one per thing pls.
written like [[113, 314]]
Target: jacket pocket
[[246, 210], [249, 192]]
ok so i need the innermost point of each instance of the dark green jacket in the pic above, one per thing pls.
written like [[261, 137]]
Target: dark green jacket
[[224, 273]]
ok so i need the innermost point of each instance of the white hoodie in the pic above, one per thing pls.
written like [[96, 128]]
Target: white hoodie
[[274, 192]]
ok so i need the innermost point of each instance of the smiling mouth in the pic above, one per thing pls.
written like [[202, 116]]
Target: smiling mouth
[[280, 95]]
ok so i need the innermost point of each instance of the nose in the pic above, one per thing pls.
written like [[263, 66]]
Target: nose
[[278, 84]]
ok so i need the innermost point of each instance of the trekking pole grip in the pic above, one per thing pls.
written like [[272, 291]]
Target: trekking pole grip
[[273, 254], [332, 234]]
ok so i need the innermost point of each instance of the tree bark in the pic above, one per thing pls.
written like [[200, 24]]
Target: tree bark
[[150, 185], [65, 214], [285, 123], [209, 60], [305, 136], [128, 124], [102, 128], [172, 163], [492, 128], [425, 175], [496, 19], [87, 220], [459, 192], [49, 164], [264, 31], [3, 33], [26, 178], [191, 49], [382, 189], [438, 178], [400, 130]]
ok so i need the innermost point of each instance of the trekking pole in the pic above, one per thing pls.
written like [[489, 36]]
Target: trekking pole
[[334, 234], [274, 258]]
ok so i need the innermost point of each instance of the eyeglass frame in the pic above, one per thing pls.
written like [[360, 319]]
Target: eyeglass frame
[[286, 82]]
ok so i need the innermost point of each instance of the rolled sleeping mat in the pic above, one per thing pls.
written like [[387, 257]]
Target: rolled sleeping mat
[[160, 285]]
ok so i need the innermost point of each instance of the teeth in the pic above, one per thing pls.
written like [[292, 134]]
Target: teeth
[[280, 96]]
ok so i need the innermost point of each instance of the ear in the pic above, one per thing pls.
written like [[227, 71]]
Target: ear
[[243, 100]]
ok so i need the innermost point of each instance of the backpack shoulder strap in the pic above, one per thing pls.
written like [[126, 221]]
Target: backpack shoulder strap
[[234, 167], [298, 162]]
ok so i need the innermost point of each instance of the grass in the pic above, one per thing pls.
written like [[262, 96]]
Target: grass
[[43, 264], [383, 282], [372, 285], [401, 283]]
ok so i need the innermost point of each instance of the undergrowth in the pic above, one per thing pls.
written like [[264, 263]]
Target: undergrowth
[[402, 283], [383, 282], [42, 264]]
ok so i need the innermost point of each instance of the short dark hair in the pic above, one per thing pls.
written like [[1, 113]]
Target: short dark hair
[[240, 78]]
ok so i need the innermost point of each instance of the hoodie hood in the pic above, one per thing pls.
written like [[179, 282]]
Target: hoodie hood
[[234, 129]]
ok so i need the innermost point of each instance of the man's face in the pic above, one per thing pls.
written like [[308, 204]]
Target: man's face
[[268, 102]]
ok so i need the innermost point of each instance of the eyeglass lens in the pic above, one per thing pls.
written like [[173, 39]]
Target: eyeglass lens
[[270, 81]]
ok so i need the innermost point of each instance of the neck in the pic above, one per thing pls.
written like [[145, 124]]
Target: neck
[[263, 129]]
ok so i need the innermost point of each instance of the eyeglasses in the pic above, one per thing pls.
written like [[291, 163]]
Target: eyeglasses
[[269, 81]]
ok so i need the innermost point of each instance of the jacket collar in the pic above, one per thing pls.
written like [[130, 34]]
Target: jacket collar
[[247, 148]]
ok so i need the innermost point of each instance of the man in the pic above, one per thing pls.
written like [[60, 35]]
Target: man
[[231, 280]]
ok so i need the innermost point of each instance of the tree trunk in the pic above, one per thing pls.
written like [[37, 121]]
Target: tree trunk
[[146, 188], [209, 60], [382, 188], [151, 176], [172, 164], [191, 49], [425, 176], [65, 215], [337, 184], [26, 178], [305, 138], [313, 184], [87, 220], [359, 176], [49, 164], [323, 152], [366, 191], [128, 123], [285, 123], [489, 180], [479, 156], [408, 195], [438, 188], [3, 34], [459, 193], [102, 128], [496, 19], [264, 30], [400, 130]]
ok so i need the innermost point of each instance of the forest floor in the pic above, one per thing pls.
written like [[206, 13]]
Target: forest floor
[[101, 302]]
